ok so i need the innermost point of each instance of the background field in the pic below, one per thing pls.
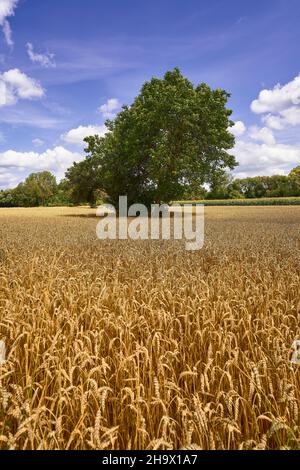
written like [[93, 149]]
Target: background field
[[121, 344]]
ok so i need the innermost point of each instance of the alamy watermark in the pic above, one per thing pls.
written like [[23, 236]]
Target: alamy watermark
[[161, 222]]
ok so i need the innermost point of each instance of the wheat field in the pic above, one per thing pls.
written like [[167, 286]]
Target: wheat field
[[143, 345]]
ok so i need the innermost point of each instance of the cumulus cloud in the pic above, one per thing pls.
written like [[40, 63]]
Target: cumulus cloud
[[265, 159], [278, 99], [8, 179], [257, 150], [45, 60], [76, 136], [7, 9], [291, 116], [263, 135], [7, 95], [15, 85], [38, 142], [238, 129], [280, 105], [108, 109], [21, 164], [286, 117]]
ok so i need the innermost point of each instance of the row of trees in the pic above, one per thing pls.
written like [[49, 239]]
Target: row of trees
[[41, 189], [257, 187], [170, 144]]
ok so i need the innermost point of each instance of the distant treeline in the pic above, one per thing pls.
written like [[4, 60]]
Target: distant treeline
[[257, 187], [42, 189], [39, 189]]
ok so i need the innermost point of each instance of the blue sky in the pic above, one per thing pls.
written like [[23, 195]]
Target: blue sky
[[66, 65]]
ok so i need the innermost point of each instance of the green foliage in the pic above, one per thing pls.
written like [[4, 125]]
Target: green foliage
[[7, 198], [37, 190], [174, 137], [223, 186], [256, 187], [294, 177], [83, 180], [295, 173], [62, 196]]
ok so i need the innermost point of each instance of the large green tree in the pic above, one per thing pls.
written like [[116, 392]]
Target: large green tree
[[83, 179], [174, 136]]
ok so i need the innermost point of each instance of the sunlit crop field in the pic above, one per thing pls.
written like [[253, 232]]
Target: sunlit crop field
[[143, 345]]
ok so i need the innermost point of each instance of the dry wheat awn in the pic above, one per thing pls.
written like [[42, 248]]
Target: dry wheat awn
[[142, 345]]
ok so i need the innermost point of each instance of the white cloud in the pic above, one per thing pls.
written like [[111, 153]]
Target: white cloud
[[291, 116], [38, 142], [56, 160], [7, 9], [7, 96], [259, 153], [238, 129], [76, 136], [274, 122], [263, 135], [278, 99], [15, 85], [264, 159], [8, 180], [45, 60], [108, 109], [286, 117]]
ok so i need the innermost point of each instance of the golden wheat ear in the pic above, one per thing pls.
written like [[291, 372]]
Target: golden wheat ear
[[2, 352]]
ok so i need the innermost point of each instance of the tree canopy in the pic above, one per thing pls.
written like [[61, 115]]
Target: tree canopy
[[173, 137], [37, 189]]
